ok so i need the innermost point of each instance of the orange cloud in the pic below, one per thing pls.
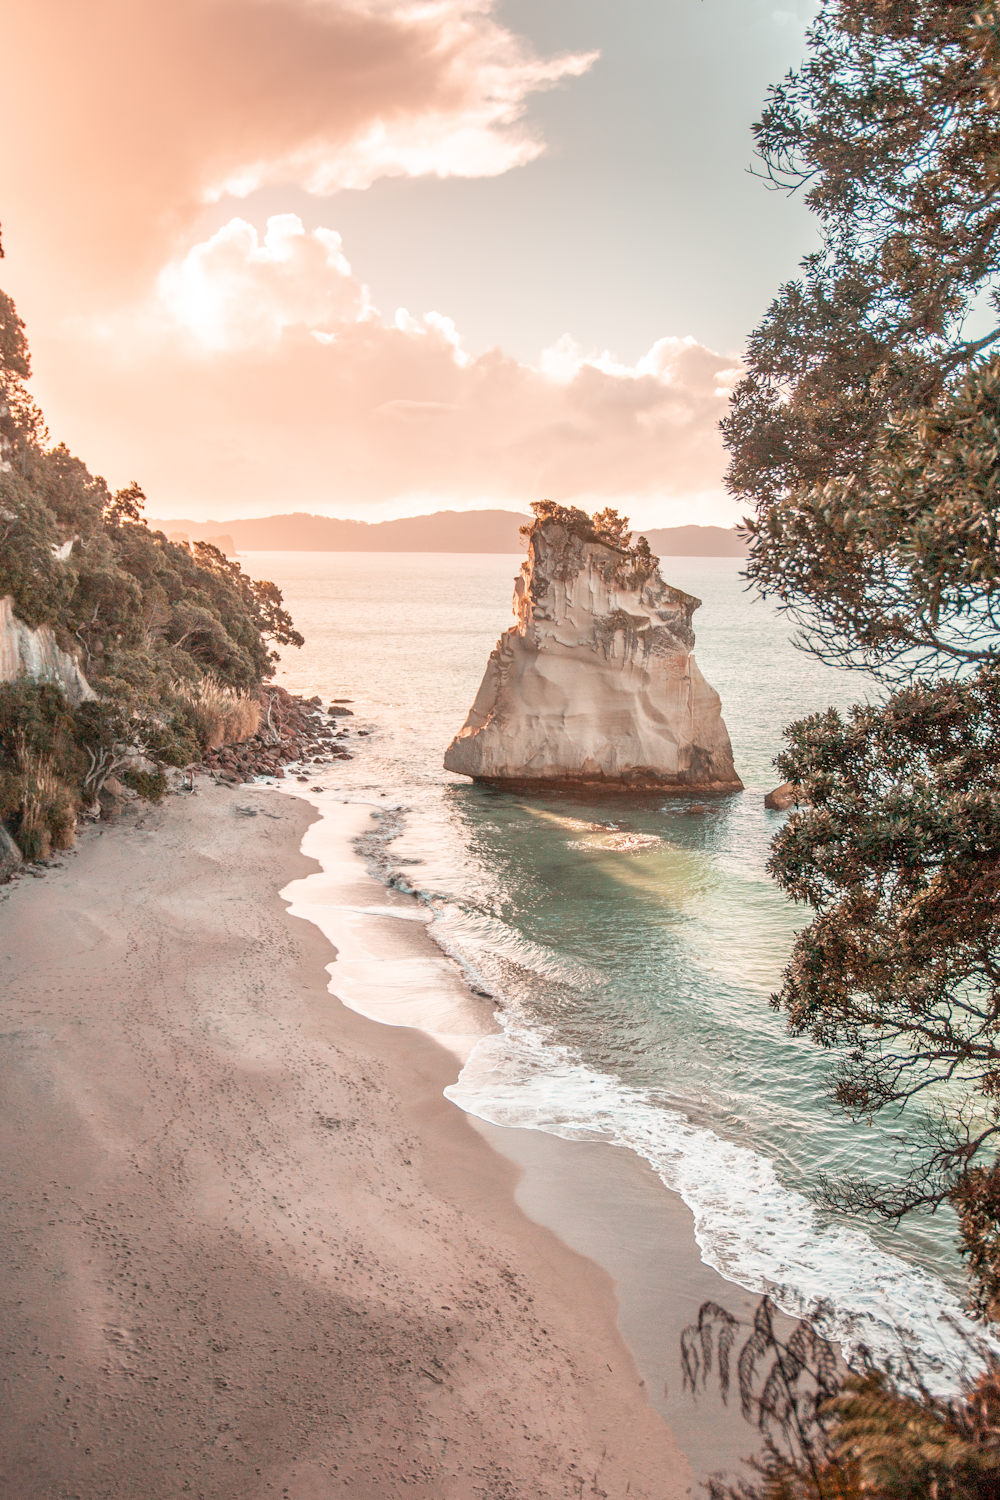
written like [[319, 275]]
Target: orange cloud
[[129, 115], [235, 373], [261, 377]]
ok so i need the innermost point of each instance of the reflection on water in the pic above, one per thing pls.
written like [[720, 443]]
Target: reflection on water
[[635, 939], [685, 952]]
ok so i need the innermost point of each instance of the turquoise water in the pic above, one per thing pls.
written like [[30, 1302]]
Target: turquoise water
[[633, 942]]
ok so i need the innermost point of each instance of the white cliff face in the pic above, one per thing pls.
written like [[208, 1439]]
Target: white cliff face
[[597, 682], [35, 653]]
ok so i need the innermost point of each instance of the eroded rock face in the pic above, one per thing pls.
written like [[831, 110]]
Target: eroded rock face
[[36, 653], [597, 682], [10, 855]]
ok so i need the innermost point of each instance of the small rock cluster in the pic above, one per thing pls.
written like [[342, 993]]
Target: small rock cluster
[[292, 730]]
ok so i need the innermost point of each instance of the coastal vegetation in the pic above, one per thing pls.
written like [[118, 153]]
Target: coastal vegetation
[[174, 642], [828, 1435], [866, 434], [867, 431], [604, 526]]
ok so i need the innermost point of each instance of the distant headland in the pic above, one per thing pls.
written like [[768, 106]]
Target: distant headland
[[444, 531]]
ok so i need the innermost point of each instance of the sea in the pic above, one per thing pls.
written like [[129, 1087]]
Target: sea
[[632, 942]]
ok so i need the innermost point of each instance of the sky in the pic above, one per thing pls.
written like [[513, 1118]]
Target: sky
[[370, 258]]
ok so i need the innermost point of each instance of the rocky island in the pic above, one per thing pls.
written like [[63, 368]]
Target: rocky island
[[596, 683]]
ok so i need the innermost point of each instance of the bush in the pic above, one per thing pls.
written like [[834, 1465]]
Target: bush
[[219, 715], [151, 785], [47, 814]]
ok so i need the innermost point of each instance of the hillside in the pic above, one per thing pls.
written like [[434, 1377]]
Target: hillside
[[444, 531], [120, 651], [695, 541]]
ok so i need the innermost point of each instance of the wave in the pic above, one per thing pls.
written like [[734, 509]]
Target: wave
[[750, 1228]]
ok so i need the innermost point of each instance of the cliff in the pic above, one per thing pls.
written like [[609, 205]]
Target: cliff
[[35, 654], [597, 682]]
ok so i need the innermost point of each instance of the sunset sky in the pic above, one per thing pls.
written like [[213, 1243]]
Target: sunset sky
[[370, 259]]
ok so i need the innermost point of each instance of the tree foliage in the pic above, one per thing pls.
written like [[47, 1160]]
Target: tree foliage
[[891, 130], [898, 855], [899, 570], [867, 435], [605, 526], [139, 613]]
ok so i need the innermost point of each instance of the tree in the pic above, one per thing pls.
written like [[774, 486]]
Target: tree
[[126, 505], [898, 854], [867, 435], [898, 569], [262, 599], [891, 129]]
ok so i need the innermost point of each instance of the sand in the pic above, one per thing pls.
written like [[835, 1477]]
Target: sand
[[249, 1249]]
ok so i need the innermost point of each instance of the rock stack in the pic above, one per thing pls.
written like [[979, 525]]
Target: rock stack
[[597, 682]]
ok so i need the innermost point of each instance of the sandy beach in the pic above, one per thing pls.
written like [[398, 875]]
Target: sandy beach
[[250, 1249]]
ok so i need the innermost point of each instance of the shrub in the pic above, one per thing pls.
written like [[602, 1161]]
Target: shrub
[[220, 715], [47, 814], [151, 785], [834, 1433]]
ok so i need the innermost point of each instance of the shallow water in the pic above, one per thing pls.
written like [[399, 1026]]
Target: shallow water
[[634, 941]]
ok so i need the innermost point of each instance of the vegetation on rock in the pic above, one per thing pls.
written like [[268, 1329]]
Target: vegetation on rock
[[606, 527]]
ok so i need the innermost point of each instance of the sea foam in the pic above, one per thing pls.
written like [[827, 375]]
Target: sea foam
[[750, 1228]]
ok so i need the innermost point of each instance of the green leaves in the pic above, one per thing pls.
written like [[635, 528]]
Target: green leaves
[[898, 854], [899, 570], [855, 375], [140, 613]]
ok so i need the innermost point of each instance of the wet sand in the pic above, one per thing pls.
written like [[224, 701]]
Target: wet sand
[[603, 1201], [249, 1248]]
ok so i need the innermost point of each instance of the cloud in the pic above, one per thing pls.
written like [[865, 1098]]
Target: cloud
[[260, 376], [233, 291], [233, 372], [129, 116]]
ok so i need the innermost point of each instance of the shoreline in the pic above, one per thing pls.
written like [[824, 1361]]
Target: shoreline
[[601, 1200], [252, 1247]]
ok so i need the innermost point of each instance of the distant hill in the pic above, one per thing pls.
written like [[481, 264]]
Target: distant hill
[[444, 531], [695, 541]]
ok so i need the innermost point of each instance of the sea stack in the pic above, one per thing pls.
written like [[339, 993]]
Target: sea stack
[[597, 682]]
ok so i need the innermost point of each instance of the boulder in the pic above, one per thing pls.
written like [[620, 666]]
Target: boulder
[[337, 711], [597, 682], [784, 796], [111, 799], [10, 855]]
